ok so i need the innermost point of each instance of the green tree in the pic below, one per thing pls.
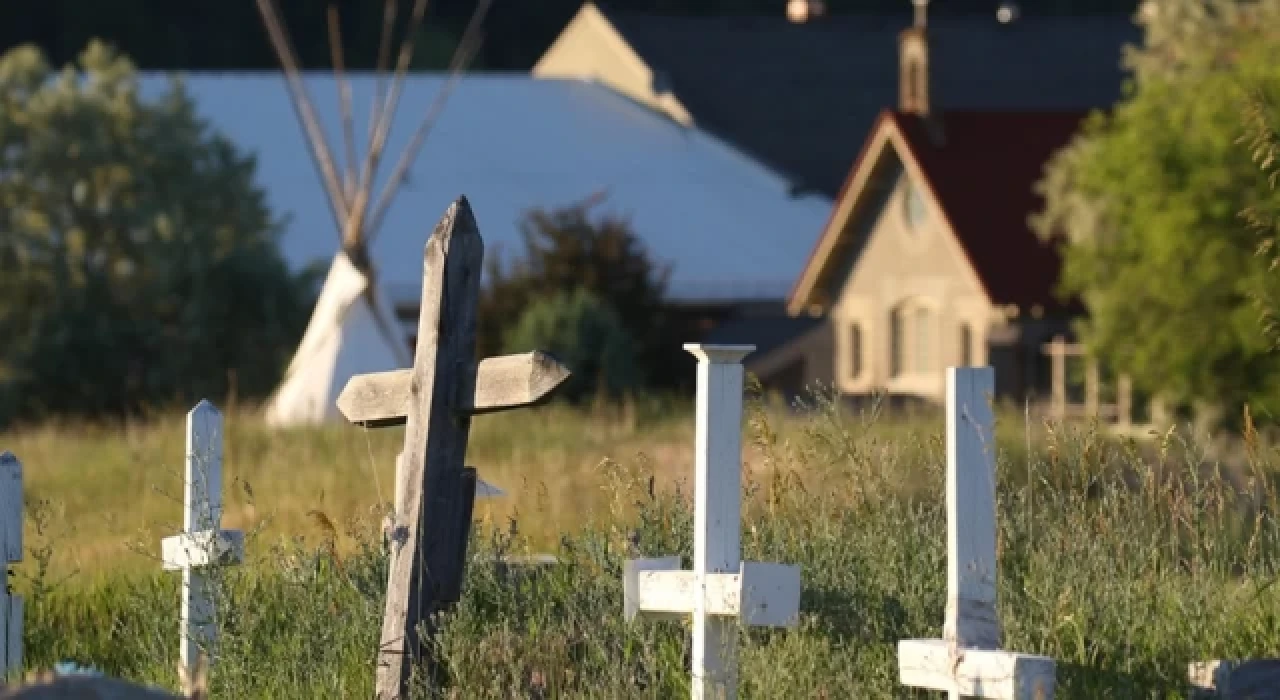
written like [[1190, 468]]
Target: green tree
[[586, 335], [139, 258], [1262, 136], [1149, 197], [566, 250]]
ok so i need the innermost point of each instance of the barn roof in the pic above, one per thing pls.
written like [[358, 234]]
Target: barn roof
[[802, 97], [727, 224]]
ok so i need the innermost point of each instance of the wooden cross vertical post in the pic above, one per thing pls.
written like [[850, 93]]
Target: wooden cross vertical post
[[203, 542], [968, 661], [11, 512], [435, 401], [721, 587]]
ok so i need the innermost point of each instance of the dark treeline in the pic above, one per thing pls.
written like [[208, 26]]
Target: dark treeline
[[228, 34]]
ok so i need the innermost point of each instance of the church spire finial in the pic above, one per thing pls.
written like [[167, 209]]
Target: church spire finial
[[922, 12], [913, 64]]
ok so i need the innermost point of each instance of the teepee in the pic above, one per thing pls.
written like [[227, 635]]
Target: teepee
[[352, 329]]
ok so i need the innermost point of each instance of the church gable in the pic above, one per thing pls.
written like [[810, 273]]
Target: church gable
[[904, 300], [886, 223]]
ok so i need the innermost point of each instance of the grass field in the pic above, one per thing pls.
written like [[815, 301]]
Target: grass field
[[1123, 564]]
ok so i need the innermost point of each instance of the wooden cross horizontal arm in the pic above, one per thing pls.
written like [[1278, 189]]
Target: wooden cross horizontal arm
[[383, 399]]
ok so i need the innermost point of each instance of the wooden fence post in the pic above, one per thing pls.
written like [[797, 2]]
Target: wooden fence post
[[202, 543], [721, 587], [967, 661], [1092, 389], [11, 519], [1058, 362], [1124, 402]]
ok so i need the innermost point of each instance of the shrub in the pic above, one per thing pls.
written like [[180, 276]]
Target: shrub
[[566, 250], [586, 335]]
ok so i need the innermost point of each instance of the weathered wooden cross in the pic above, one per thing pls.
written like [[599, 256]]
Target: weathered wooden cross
[[203, 542], [721, 587], [968, 661], [435, 401]]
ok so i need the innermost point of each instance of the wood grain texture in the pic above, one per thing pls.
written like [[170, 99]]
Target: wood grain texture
[[971, 621], [383, 399], [979, 673], [968, 661], [193, 550], [717, 511], [202, 507], [11, 513], [721, 591], [202, 543], [11, 519], [759, 595], [424, 570], [1253, 679]]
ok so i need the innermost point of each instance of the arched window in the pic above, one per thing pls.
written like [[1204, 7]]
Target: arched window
[[855, 350], [922, 341], [897, 344], [912, 345]]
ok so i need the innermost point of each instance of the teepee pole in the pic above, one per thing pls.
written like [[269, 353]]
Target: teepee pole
[[466, 50], [350, 197], [344, 102], [353, 237], [389, 10], [304, 110]]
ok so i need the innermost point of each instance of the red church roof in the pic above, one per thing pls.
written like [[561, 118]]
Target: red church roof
[[984, 175]]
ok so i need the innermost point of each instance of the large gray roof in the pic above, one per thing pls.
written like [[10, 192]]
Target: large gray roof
[[803, 97], [509, 142]]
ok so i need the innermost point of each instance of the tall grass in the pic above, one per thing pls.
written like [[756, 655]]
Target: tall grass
[[1122, 563]]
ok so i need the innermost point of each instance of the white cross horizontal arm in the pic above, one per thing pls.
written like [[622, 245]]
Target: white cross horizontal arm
[[1256, 679], [759, 595], [194, 550], [631, 571], [981, 673]]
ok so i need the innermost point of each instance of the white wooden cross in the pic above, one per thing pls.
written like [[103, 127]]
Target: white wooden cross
[[968, 661], [721, 586], [202, 543], [11, 510]]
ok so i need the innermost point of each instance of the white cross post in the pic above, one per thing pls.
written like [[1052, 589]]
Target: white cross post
[[968, 661], [721, 587], [202, 543], [11, 519]]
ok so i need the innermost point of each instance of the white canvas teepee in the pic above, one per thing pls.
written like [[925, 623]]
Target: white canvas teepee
[[351, 332]]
